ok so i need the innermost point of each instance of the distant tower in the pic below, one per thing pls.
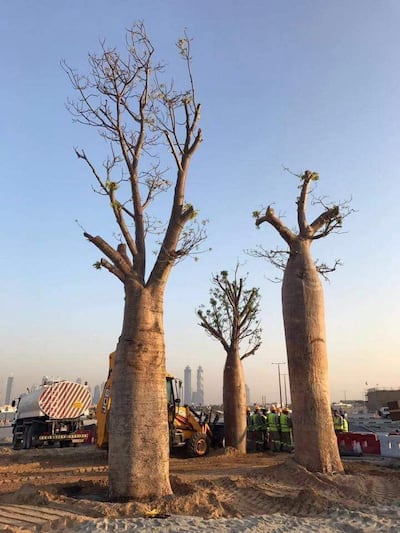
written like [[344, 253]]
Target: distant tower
[[96, 394], [247, 388], [187, 385], [79, 380], [9, 386], [200, 386]]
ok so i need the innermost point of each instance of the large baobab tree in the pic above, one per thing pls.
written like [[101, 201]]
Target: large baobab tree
[[232, 319], [304, 322], [143, 121]]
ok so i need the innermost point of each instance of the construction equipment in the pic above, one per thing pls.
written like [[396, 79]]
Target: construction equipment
[[187, 427], [52, 413]]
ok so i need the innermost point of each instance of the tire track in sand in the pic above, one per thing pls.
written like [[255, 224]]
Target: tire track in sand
[[31, 518]]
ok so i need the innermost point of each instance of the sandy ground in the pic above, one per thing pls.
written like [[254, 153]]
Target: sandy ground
[[66, 490]]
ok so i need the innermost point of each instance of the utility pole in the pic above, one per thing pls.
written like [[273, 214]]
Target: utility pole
[[284, 383], [279, 378]]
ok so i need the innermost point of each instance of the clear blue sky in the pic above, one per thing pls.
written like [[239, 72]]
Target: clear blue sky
[[304, 84]]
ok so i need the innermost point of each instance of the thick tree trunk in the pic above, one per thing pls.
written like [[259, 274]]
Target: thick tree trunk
[[234, 398], [304, 319], [138, 442]]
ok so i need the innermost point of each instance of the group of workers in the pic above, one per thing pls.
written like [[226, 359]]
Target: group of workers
[[340, 421], [270, 429]]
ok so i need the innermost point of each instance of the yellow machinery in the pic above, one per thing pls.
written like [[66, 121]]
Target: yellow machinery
[[186, 427]]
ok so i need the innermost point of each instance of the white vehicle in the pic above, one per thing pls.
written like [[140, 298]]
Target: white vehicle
[[384, 412]]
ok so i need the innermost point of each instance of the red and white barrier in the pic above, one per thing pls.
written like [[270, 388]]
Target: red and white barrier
[[382, 444], [358, 443]]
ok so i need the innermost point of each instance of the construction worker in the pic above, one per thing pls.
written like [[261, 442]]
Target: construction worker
[[248, 416], [338, 421], [345, 423], [286, 430], [258, 419], [259, 427], [274, 430]]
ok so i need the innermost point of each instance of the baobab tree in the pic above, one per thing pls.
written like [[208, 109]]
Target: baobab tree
[[304, 322], [143, 121], [232, 319]]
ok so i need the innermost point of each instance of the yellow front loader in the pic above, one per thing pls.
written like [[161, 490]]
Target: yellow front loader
[[186, 426]]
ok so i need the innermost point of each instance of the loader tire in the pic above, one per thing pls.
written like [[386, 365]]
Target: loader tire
[[197, 445]]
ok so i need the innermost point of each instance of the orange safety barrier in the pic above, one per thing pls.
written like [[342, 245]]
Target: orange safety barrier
[[359, 443]]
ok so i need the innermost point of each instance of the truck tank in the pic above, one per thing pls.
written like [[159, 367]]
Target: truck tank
[[51, 414], [59, 401]]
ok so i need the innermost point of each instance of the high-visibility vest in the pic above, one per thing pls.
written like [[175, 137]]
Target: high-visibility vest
[[258, 421], [345, 424], [338, 423], [273, 421], [285, 423]]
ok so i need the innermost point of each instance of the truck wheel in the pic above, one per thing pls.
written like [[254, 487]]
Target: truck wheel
[[28, 437], [16, 442], [197, 445], [36, 431]]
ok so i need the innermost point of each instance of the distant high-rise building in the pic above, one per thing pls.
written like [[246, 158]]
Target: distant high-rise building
[[200, 386], [187, 385], [9, 386], [79, 380], [247, 388], [96, 394]]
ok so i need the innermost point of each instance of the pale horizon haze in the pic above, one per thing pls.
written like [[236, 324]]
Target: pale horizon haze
[[302, 84]]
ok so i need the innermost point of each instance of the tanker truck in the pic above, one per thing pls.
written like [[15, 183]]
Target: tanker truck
[[52, 413]]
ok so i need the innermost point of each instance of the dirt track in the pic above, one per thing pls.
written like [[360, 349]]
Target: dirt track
[[48, 489]]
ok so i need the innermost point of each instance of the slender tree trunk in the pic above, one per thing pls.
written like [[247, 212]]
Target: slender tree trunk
[[304, 320], [234, 398], [138, 442]]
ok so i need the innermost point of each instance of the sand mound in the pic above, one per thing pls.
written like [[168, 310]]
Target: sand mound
[[258, 492], [27, 495]]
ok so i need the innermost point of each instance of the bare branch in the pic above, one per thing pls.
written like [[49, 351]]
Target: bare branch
[[276, 222], [324, 269], [124, 98], [111, 268], [306, 178], [277, 257], [116, 258], [251, 352], [328, 221]]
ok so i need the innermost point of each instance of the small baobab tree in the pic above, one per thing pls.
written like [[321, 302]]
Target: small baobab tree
[[304, 322], [144, 121], [232, 319]]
